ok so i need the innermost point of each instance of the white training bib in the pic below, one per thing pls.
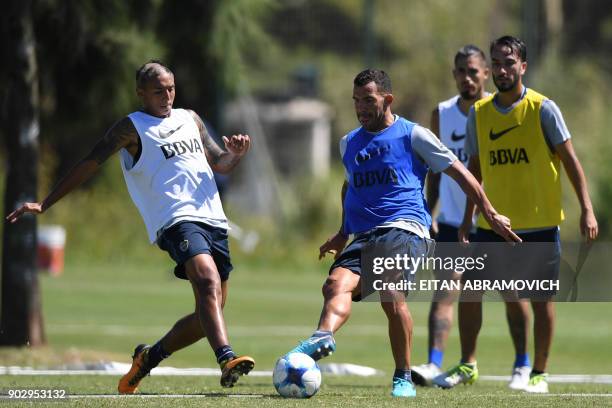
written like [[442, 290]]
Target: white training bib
[[171, 181], [452, 134]]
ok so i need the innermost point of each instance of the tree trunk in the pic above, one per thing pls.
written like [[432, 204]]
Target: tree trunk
[[21, 320], [554, 26], [531, 34]]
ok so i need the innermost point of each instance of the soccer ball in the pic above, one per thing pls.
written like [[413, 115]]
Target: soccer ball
[[296, 375]]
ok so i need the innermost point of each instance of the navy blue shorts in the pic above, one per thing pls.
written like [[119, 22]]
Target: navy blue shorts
[[384, 242], [187, 239], [539, 261], [545, 235], [448, 233], [447, 245]]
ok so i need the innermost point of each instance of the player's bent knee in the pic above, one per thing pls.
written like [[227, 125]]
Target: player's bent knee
[[337, 284], [206, 284], [330, 287], [202, 268], [395, 309]]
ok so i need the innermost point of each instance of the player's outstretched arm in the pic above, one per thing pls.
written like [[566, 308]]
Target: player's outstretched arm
[[588, 223], [336, 243], [222, 161], [468, 214], [433, 178], [121, 135], [499, 223]]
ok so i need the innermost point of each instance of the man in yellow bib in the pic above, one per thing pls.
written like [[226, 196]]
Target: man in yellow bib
[[516, 140]]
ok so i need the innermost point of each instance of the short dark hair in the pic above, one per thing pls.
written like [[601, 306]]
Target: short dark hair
[[150, 69], [467, 51], [378, 76], [515, 44]]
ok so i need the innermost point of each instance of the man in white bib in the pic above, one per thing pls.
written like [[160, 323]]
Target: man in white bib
[[168, 159], [448, 122]]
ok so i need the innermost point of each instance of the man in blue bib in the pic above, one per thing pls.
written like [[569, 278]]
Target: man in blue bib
[[386, 160]]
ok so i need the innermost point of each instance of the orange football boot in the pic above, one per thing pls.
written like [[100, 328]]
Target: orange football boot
[[128, 384], [231, 370]]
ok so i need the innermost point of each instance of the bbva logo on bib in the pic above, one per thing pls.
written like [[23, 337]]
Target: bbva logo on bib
[[178, 148], [508, 156]]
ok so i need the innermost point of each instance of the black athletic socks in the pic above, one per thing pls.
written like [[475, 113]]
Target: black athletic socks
[[157, 354], [401, 373], [224, 353]]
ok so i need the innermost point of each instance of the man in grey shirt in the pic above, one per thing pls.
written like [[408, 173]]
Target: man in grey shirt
[[553, 126], [386, 160], [517, 141]]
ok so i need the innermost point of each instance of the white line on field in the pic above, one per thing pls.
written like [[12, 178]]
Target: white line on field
[[153, 396], [561, 378], [115, 368], [188, 372]]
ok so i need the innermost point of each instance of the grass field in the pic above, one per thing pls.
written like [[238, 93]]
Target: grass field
[[102, 312], [335, 392]]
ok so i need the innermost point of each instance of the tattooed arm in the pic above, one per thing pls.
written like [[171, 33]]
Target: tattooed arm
[[121, 135], [222, 161]]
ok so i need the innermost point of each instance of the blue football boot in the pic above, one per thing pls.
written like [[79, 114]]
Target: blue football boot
[[403, 388], [316, 347]]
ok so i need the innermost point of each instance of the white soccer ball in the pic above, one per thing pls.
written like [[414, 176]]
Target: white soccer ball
[[296, 375]]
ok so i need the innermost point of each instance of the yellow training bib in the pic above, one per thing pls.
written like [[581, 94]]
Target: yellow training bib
[[520, 173]]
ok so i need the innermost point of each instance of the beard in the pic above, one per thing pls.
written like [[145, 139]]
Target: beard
[[505, 88], [469, 95]]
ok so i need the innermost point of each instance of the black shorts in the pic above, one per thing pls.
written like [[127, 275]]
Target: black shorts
[[187, 239], [537, 258]]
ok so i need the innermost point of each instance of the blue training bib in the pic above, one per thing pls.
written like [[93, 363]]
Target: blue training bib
[[385, 178]]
